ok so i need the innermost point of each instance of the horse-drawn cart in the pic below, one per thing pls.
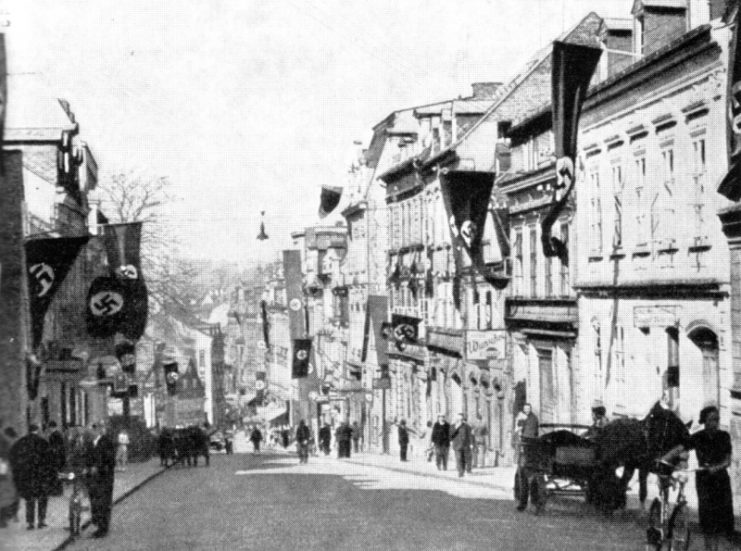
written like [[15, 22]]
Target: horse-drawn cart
[[563, 461]]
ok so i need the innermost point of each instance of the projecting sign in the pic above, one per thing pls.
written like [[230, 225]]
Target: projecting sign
[[485, 345]]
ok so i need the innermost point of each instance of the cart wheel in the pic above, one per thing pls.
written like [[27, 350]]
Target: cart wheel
[[538, 493], [679, 529]]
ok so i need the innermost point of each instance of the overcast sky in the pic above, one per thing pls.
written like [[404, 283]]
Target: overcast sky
[[250, 104]]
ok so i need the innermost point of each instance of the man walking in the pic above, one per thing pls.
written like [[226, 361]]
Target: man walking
[[480, 432], [461, 439], [58, 456], [441, 441], [33, 473], [100, 460], [256, 438], [403, 439], [343, 436], [325, 438], [303, 435], [356, 434]]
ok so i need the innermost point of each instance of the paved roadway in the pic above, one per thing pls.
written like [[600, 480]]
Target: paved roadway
[[268, 501]]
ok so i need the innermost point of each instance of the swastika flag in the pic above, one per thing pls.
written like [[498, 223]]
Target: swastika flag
[[117, 305], [301, 357], [47, 263]]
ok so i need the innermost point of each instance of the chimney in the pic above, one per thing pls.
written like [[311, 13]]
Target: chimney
[[485, 90], [658, 22], [718, 8]]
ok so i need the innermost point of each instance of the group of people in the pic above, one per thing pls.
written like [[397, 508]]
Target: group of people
[[31, 467], [468, 443], [183, 446]]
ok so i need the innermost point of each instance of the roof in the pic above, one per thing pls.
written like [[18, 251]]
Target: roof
[[459, 107], [619, 23], [33, 113]]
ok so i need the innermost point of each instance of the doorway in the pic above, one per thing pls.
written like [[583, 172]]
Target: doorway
[[707, 341]]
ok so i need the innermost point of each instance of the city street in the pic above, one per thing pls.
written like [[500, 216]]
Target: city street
[[268, 501]]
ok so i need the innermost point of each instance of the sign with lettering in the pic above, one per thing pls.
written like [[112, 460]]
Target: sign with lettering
[[656, 316], [452, 342], [485, 345]]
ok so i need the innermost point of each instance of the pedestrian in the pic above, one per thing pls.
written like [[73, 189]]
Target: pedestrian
[[526, 426], [303, 436], [122, 450], [256, 438], [325, 438], [343, 436], [285, 436], [33, 472], [599, 420], [714, 498], [11, 511], [166, 445], [461, 440], [403, 439], [228, 442], [356, 434], [100, 460], [58, 456], [480, 432], [8, 495], [441, 441]]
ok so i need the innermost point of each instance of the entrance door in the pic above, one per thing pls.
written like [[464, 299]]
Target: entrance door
[[547, 386], [707, 341]]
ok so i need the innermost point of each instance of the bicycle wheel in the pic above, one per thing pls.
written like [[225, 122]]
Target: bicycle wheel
[[654, 532], [679, 529]]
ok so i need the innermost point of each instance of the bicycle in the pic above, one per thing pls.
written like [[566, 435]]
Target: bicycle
[[668, 528]]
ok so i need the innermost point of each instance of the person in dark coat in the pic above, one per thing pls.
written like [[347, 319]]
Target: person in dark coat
[[403, 440], [714, 497], [256, 438], [166, 444], [461, 440], [344, 437], [33, 474], [58, 456], [357, 433], [325, 438], [303, 436], [100, 460], [441, 441]]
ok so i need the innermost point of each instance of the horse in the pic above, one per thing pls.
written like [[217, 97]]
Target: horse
[[637, 444]]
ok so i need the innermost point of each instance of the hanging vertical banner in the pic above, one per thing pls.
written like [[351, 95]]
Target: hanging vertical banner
[[116, 305], [730, 186], [466, 196], [377, 314], [572, 67], [301, 356], [329, 199], [123, 246], [265, 324], [260, 387], [47, 263], [294, 293]]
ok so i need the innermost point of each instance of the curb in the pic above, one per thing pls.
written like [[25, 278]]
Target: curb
[[462, 480], [71, 539]]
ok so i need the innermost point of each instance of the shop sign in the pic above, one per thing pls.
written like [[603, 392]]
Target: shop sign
[[446, 341], [413, 352], [485, 345], [655, 316]]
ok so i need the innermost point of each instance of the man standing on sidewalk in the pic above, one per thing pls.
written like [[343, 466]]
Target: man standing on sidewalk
[[461, 439], [441, 441], [403, 439], [33, 473], [101, 465]]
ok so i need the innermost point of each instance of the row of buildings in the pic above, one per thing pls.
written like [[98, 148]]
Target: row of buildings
[[647, 303]]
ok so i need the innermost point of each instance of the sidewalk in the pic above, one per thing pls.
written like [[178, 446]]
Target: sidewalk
[[500, 478], [15, 536]]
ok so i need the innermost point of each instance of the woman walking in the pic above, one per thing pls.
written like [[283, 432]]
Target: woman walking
[[715, 501]]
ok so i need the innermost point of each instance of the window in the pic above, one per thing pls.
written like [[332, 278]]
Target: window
[[518, 267], [698, 169], [663, 218], [619, 360], [617, 201], [201, 358], [533, 261], [488, 314], [639, 185], [565, 286], [548, 265], [595, 225]]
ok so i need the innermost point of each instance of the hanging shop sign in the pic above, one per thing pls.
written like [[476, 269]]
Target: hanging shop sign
[[485, 345]]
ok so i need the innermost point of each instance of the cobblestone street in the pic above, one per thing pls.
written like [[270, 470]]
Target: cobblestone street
[[268, 501]]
